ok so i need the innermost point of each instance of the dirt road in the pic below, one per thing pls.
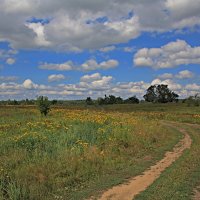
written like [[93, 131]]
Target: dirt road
[[138, 184]]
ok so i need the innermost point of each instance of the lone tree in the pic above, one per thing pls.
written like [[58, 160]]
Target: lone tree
[[43, 105], [160, 94]]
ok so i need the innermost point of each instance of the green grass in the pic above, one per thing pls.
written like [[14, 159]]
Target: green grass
[[73, 154]]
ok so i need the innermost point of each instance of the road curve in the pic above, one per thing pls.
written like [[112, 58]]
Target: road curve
[[129, 190]]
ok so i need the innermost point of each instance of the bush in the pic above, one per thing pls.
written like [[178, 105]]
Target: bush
[[193, 100], [43, 105]]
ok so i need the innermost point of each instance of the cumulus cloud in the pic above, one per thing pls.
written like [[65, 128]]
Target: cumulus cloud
[[128, 49], [170, 55], [93, 65], [89, 65], [107, 49], [172, 85], [166, 76], [89, 78], [67, 66], [28, 84], [96, 82], [185, 74], [56, 77], [10, 61], [39, 38], [194, 87], [74, 25]]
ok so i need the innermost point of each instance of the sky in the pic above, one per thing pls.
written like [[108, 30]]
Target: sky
[[72, 49]]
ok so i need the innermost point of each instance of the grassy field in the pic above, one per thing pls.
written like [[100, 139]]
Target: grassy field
[[77, 152]]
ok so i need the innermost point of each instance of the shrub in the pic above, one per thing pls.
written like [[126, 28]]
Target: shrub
[[43, 105]]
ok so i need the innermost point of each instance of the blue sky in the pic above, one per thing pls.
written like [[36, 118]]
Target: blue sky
[[77, 48]]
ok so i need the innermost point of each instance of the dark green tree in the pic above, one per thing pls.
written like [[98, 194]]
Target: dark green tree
[[43, 105], [132, 100], [89, 101], [160, 94], [101, 101], [54, 102], [119, 100]]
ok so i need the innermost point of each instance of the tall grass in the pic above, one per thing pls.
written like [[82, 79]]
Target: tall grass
[[58, 156]]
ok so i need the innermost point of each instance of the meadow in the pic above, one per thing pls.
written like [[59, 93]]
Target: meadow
[[77, 152]]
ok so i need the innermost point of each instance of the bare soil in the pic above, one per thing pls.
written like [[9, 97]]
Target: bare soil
[[196, 194]]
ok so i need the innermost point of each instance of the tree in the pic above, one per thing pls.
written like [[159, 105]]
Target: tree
[[54, 102], [132, 100], [160, 94], [43, 105], [119, 100], [100, 101], [89, 101], [111, 99]]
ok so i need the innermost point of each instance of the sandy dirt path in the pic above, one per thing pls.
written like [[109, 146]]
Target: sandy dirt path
[[139, 183], [196, 194]]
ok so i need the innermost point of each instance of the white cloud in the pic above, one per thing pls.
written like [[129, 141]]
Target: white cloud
[[128, 49], [56, 77], [172, 85], [10, 86], [28, 84], [75, 25], [10, 61], [184, 74], [89, 65], [38, 29], [170, 55], [93, 65], [89, 78], [107, 49], [193, 86], [96, 82], [166, 76], [67, 66]]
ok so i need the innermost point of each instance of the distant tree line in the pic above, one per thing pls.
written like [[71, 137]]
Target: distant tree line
[[111, 99], [155, 94]]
